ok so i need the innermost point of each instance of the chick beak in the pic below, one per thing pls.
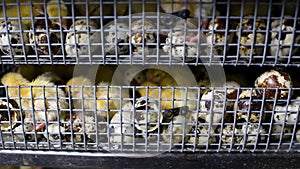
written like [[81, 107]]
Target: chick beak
[[64, 25], [149, 78], [41, 12]]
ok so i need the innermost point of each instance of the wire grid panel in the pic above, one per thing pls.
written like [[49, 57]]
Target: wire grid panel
[[180, 121], [139, 32]]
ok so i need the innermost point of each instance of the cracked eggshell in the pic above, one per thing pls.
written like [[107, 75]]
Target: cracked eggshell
[[120, 36], [246, 37], [55, 132], [147, 114], [178, 127], [230, 136], [176, 46], [122, 130], [7, 115], [254, 133], [288, 113], [13, 38], [286, 38], [41, 38], [217, 39], [277, 131], [274, 79], [217, 108], [138, 38], [247, 104], [79, 41], [203, 136]]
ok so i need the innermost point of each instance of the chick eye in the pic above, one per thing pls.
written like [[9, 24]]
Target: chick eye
[[157, 75]]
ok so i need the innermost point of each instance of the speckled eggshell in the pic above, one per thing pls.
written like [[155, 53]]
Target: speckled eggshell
[[274, 79], [216, 39], [217, 108], [110, 36], [230, 136], [121, 130], [288, 114], [41, 38], [82, 38], [203, 136], [175, 43], [231, 89], [246, 38], [286, 38], [178, 127], [276, 132], [254, 133], [4, 115], [54, 131], [147, 114], [137, 37], [245, 103], [13, 38]]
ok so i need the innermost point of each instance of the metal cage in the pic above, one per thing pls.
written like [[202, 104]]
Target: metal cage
[[173, 123]]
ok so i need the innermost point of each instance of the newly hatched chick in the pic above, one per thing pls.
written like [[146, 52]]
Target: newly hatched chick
[[25, 10], [160, 77], [40, 39], [14, 80], [42, 96], [53, 11], [283, 36], [151, 91], [104, 103], [88, 95], [52, 77], [247, 36]]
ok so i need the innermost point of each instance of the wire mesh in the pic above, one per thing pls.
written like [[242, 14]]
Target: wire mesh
[[254, 123], [101, 32], [75, 118]]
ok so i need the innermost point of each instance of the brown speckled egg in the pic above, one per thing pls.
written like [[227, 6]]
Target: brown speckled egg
[[274, 79], [138, 38], [41, 38], [247, 104]]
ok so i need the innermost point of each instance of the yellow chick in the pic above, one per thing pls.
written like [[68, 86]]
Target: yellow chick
[[249, 8], [12, 11], [42, 96], [76, 92], [152, 92], [53, 11], [14, 80], [138, 7], [102, 102], [89, 97], [160, 77]]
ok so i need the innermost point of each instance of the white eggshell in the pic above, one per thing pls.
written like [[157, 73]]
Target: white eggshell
[[212, 113], [110, 36], [81, 39], [13, 38]]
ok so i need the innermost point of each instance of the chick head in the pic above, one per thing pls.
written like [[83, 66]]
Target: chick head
[[155, 75]]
